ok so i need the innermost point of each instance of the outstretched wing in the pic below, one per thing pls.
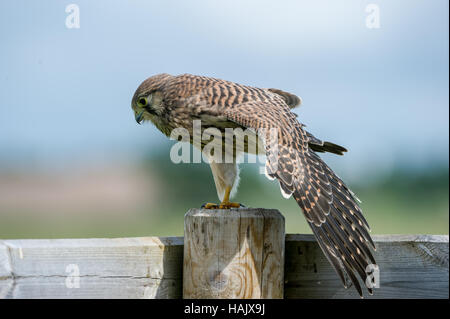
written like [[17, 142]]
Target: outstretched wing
[[328, 205]]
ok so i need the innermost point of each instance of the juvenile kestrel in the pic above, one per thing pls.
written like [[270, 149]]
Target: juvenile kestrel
[[330, 208]]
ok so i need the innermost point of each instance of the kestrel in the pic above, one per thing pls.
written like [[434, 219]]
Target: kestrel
[[328, 205]]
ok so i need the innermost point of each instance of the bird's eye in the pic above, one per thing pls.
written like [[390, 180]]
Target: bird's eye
[[142, 101]]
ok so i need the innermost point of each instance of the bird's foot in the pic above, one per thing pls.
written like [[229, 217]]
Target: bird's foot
[[228, 205], [223, 205], [210, 206]]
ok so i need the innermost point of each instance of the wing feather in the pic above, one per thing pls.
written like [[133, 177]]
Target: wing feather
[[328, 205]]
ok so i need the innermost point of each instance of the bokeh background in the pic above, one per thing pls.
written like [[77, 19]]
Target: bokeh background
[[73, 162]]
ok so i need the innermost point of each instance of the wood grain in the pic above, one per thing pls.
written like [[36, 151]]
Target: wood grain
[[411, 266], [147, 267], [233, 254]]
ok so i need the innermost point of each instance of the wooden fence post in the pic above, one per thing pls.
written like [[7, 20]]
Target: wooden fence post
[[237, 253]]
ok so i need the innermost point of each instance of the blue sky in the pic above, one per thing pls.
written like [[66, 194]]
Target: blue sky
[[383, 93]]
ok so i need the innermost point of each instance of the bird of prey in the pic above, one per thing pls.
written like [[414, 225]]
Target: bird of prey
[[329, 206]]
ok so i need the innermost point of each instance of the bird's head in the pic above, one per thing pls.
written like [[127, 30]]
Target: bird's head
[[148, 100]]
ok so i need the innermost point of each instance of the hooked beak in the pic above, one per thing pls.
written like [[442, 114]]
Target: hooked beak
[[139, 117]]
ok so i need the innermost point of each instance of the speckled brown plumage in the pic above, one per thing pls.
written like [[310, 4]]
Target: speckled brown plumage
[[328, 205]]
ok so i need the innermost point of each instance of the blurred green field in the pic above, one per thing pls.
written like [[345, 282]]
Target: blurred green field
[[404, 202]]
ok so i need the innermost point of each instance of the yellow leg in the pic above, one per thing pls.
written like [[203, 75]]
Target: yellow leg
[[226, 204], [226, 197]]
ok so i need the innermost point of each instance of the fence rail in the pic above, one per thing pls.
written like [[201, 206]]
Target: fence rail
[[411, 266]]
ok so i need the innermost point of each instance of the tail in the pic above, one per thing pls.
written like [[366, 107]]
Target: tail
[[320, 146]]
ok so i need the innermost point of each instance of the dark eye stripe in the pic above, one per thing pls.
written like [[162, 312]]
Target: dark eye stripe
[[150, 110]]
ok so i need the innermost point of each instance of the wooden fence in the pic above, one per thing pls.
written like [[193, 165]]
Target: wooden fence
[[411, 266]]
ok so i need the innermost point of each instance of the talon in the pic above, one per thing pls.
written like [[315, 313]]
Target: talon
[[210, 206], [228, 205], [225, 204]]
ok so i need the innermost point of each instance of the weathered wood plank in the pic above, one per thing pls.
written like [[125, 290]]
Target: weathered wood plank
[[233, 254], [147, 267], [411, 266], [273, 256]]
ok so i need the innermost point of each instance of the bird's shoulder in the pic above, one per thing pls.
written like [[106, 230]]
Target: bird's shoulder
[[223, 93]]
